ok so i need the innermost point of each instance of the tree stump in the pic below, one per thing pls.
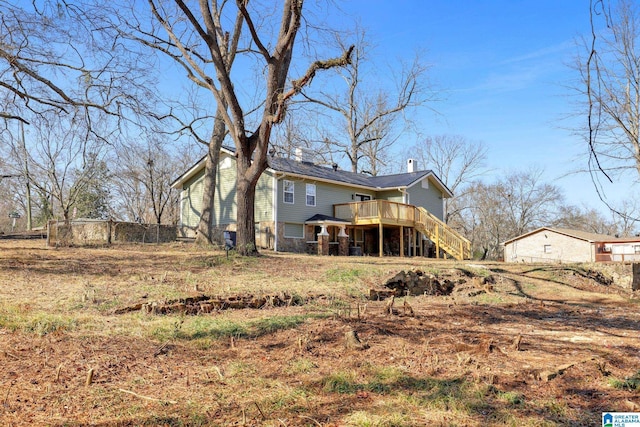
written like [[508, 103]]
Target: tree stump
[[352, 342], [516, 343]]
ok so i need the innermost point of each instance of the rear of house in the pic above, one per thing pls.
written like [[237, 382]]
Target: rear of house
[[297, 201]]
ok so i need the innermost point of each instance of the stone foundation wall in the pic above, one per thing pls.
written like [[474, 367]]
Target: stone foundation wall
[[265, 234], [130, 232], [87, 233], [621, 273], [289, 244]]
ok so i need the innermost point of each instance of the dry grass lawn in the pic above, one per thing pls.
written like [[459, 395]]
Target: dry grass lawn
[[544, 346]]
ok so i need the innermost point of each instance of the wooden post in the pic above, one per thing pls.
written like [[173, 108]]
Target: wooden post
[[401, 241], [380, 242], [437, 242]]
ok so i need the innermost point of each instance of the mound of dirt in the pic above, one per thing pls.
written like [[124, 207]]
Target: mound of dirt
[[419, 283], [207, 304], [414, 283]]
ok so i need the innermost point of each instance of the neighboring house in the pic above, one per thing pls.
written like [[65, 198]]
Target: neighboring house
[[564, 245], [304, 207]]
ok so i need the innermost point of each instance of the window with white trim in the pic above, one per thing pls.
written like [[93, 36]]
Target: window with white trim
[[311, 194], [547, 249], [288, 187]]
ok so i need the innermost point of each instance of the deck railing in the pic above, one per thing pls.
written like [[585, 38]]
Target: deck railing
[[445, 237], [371, 211], [387, 212], [608, 257]]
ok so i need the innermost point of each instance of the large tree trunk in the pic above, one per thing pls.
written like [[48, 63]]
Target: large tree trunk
[[249, 165], [245, 234], [204, 233]]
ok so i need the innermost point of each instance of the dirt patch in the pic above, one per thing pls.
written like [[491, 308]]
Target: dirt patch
[[540, 346]]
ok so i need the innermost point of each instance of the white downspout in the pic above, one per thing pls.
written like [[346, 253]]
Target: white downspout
[[404, 195], [275, 212]]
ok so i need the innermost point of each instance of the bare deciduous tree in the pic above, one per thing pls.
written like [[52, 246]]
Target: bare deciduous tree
[[625, 216], [610, 73], [370, 117], [585, 219], [200, 39], [457, 162], [195, 46], [513, 205], [58, 57], [142, 177], [609, 70], [64, 157]]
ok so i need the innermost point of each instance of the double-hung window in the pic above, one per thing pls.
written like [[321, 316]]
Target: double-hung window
[[311, 194], [288, 187]]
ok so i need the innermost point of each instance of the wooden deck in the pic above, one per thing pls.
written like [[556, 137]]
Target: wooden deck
[[384, 212]]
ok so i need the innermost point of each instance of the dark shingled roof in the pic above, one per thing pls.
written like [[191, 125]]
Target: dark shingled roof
[[321, 217], [311, 170], [322, 172]]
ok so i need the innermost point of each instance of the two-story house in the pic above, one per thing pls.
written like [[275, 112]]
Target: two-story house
[[304, 207]]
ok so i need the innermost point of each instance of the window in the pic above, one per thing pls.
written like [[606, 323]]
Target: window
[[288, 191], [547, 249], [311, 194], [292, 230], [636, 249]]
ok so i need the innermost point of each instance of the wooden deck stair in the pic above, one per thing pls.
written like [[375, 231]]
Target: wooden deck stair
[[444, 237], [384, 212]]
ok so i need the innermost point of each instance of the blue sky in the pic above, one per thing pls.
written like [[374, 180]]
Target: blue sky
[[504, 69]]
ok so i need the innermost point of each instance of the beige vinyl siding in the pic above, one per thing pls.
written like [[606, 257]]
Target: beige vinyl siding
[[225, 203], [390, 195], [428, 198], [326, 196], [264, 198], [191, 201]]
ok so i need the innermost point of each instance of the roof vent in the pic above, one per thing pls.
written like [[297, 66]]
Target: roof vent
[[335, 167]]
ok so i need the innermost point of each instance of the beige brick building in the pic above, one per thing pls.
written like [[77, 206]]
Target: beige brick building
[[548, 244]]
